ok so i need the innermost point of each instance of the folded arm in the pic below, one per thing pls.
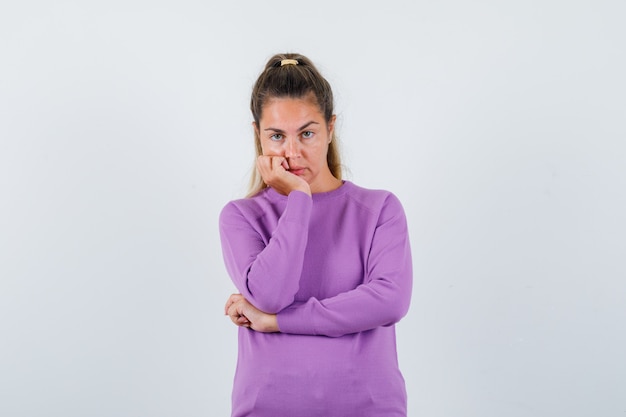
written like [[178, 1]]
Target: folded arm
[[266, 272], [382, 300]]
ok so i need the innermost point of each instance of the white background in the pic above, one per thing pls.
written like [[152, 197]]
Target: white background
[[124, 129]]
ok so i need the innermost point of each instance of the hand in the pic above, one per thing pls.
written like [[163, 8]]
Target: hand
[[273, 170], [244, 314]]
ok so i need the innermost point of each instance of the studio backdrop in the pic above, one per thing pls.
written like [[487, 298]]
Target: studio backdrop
[[125, 128]]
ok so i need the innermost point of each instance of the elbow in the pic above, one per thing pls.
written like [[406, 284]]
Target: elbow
[[395, 314], [272, 306], [269, 297], [399, 308], [270, 302], [400, 313]]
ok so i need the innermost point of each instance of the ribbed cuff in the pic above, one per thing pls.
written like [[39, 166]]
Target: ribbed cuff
[[299, 206], [295, 319]]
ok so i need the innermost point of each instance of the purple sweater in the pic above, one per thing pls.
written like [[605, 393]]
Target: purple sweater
[[336, 269]]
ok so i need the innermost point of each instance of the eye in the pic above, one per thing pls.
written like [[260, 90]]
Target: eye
[[307, 134], [276, 137]]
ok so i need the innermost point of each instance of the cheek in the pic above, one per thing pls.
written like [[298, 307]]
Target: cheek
[[319, 153], [269, 148]]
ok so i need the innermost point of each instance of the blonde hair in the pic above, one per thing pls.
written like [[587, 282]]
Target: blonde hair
[[295, 78]]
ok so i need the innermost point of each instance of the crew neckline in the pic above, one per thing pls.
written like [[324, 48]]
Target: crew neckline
[[339, 191]]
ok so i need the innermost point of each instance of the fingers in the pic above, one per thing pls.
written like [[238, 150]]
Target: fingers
[[273, 170], [235, 310], [231, 300], [240, 320], [244, 314], [271, 167], [243, 321], [277, 161]]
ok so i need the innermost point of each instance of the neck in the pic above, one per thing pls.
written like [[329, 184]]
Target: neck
[[327, 183]]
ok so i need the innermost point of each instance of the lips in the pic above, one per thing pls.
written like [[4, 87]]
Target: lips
[[296, 170]]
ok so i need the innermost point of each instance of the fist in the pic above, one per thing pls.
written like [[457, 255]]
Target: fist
[[273, 170]]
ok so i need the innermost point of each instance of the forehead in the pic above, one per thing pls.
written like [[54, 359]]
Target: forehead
[[288, 110]]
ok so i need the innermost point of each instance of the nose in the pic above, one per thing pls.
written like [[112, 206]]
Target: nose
[[292, 149]]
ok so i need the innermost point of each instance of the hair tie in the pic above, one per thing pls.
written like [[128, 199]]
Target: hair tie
[[289, 62]]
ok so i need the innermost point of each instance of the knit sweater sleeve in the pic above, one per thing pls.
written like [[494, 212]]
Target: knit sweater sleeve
[[382, 300], [266, 272]]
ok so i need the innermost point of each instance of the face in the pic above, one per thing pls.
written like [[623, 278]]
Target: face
[[296, 130]]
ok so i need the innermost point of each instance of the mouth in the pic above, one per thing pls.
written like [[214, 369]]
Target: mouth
[[296, 171]]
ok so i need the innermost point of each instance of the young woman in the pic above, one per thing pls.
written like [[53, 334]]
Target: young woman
[[322, 265]]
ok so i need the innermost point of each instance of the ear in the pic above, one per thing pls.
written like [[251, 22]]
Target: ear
[[256, 129], [331, 127]]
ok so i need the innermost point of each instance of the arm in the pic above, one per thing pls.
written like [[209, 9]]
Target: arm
[[382, 300], [266, 273]]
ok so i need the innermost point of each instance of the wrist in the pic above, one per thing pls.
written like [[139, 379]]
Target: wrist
[[304, 188], [271, 324]]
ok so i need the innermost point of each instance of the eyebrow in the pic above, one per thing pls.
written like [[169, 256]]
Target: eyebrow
[[304, 126]]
